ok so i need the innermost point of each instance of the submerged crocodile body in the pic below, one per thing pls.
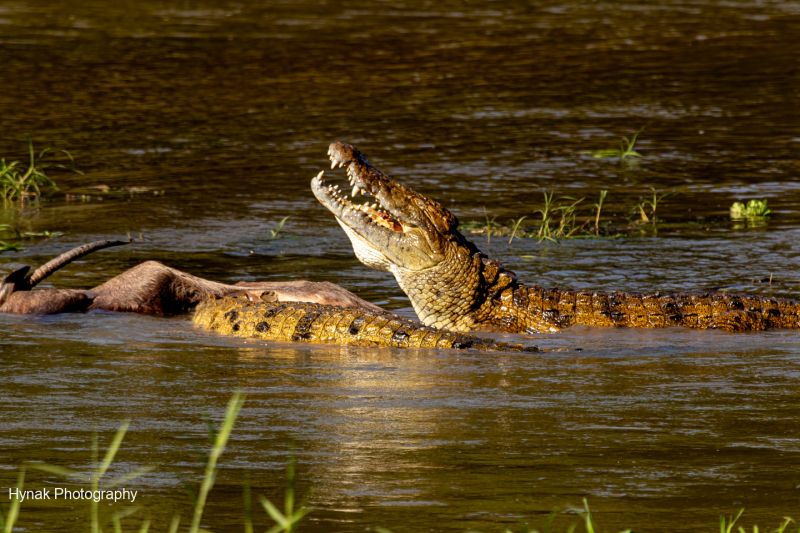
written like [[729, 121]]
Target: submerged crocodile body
[[453, 285], [245, 316]]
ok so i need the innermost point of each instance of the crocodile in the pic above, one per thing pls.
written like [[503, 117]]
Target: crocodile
[[453, 285], [246, 316], [306, 311]]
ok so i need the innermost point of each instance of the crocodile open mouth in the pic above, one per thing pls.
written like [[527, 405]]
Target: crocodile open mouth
[[342, 206]]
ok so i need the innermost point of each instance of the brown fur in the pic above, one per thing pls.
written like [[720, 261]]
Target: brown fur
[[155, 289]]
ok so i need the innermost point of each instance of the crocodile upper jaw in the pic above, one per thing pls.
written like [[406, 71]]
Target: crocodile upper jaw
[[397, 230]]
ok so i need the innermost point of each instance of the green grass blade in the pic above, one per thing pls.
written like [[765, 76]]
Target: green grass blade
[[248, 506], [13, 510], [173, 526], [112, 450], [274, 513], [234, 406], [516, 227], [588, 517]]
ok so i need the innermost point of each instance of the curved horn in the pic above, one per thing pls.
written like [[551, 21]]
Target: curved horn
[[66, 258], [9, 285]]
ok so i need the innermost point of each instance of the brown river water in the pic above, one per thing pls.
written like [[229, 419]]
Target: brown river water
[[228, 107]]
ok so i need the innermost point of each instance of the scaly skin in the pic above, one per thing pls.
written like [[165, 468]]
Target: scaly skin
[[327, 324], [453, 285]]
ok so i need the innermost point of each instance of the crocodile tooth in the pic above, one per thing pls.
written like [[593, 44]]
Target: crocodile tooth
[[333, 163], [336, 187], [355, 191], [374, 206], [319, 176]]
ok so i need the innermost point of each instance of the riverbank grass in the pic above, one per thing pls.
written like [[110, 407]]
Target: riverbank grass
[[19, 180], [286, 521]]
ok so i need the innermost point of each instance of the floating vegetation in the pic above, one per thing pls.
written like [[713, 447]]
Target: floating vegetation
[[18, 181], [753, 210], [10, 247], [18, 237], [626, 149], [286, 521], [46, 234]]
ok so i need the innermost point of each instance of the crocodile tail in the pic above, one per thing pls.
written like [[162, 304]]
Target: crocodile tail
[[64, 259]]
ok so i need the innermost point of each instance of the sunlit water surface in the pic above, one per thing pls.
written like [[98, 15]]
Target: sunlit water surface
[[228, 107]]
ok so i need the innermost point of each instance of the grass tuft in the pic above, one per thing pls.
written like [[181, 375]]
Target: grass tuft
[[286, 521], [98, 471], [639, 209], [626, 148], [18, 181]]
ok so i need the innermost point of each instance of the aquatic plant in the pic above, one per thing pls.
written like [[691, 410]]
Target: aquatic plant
[[220, 440], [596, 208], [9, 518], [640, 207], [99, 470], [276, 231], [286, 521], [753, 209], [544, 230], [626, 148], [46, 234], [10, 247], [489, 224], [17, 181], [567, 225], [516, 227]]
